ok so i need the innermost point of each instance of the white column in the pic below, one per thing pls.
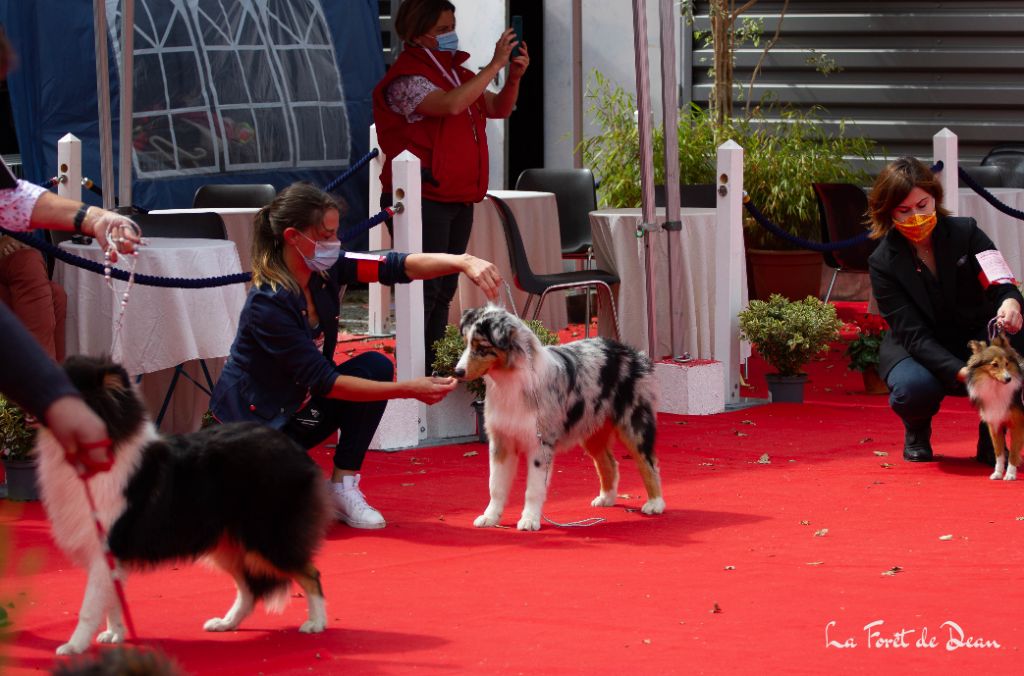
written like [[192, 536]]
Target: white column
[[379, 296], [729, 262], [69, 167], [403, 424], [126, 93], [944, 147]]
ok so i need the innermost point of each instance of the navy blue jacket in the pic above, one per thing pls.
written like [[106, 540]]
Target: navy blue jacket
[[936, 337], [274, 361]]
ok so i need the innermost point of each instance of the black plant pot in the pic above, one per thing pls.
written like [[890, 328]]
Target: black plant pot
[[786, 389], [21, 480], [481, 429]]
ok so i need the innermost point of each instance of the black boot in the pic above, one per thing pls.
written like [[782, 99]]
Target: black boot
[[917, 445], [986, 454]]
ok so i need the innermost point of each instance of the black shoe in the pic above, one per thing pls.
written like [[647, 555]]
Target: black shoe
[[917, 443], [986, 455]]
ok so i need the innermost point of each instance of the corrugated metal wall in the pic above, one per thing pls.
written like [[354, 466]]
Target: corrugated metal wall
[[908, 68]]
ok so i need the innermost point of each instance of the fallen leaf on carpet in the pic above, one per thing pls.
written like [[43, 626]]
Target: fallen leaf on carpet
[[945, 537], [716, 609], [815, 563], [469, 454], [740, 434], [805, 522], [441, 518], [705, 464], [730, 567], [647, 641], [417, 461], [1020, 518], [893, 571], [624, 496], [887, 465], [407, 485], [764, 460], [682, 422], [748, 422], [821, 533], [498, 525], [881, 454], [866, 440]]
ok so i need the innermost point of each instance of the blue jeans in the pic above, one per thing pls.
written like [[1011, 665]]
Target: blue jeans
[[357, 421], [914, 393]]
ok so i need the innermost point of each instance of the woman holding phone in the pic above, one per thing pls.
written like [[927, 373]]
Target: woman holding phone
[[430, 104]]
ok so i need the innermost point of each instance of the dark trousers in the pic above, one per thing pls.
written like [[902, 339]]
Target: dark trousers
[[446, 229], [357, 421]]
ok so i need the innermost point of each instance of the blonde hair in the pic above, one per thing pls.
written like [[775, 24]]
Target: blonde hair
[[298, 206], [893, 185]]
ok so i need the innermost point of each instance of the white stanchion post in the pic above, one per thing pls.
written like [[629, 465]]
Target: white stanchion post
[[379, 297], [944, 147], [728, 266], [402, 426], [69, 167]]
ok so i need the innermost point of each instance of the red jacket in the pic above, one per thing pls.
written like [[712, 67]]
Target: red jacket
[[453, 159]]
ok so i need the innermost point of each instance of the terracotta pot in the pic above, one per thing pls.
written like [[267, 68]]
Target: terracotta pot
[[21, 480], [794, 274], [786, 389], [873, 383]]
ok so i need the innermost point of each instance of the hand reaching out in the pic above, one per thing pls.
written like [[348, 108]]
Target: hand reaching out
[[82, 434], [430, 389]]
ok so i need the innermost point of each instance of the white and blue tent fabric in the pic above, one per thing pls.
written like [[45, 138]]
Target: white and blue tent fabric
[[228, 91]]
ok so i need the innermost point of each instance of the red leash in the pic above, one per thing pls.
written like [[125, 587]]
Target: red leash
[[87, 467]]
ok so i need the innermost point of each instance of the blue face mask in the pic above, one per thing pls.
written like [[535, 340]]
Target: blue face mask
[[325, 254], [448, 42]]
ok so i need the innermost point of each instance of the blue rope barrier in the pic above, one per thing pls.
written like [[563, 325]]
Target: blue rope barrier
[[989, 197], [146, 280], [799, 241], [365, 226], [351, 170]]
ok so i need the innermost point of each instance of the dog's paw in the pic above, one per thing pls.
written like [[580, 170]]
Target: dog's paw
[[219, 624], [603, 500], [313, 626], [1011, 474], [996, 476], [486, 521], [110, 636], [529, 523], [654, 506], [71, 648]]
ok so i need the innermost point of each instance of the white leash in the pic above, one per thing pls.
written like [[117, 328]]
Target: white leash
[[108, 255]]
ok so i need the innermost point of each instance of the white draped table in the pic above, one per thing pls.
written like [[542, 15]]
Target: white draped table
[[1007, 232], [537, 216], [162, 327], [617, 249], [238, 221]]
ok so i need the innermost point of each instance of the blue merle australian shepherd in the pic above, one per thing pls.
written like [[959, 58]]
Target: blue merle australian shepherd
[[244, 496], [546, 399]]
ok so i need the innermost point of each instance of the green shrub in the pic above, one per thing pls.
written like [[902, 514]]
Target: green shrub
[[16, 435], [786, 333]]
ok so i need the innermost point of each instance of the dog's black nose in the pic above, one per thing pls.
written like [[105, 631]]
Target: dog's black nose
[[460, 373]]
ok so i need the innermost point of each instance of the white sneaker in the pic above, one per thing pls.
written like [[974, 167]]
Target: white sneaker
[[350, 505]]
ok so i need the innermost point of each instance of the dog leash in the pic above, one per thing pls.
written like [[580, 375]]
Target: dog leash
[[84, 473], [511, 300], [995, 327]]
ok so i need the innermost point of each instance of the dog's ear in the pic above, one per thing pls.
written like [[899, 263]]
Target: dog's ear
[[1001, 341], [977, 346], [469, 318]]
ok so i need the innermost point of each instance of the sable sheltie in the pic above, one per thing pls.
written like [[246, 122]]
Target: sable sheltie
[[994, 385], [242, 495], [545, 399]]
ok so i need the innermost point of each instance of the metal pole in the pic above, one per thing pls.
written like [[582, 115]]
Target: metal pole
[[577, 84], [127, 94], [647, 225], [103, 103], [670, 117]]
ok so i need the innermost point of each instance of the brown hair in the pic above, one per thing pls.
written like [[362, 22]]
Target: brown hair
[[893, 185], [299, 206], [416, 17]]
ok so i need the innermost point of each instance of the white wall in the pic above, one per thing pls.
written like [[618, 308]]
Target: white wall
[[479, 23], [607, 47]]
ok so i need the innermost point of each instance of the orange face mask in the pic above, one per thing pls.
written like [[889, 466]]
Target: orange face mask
[[917, 227]]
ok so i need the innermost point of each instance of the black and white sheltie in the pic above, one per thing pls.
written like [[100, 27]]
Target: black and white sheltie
[[242, 495], [994, 386], [545, 399]]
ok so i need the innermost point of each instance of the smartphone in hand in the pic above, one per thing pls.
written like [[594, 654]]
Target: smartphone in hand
[[517, 26]]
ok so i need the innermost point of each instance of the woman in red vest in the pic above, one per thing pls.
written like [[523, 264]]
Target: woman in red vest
[[431, 105]]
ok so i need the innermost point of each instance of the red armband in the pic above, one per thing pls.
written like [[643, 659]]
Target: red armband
[[367, 266]]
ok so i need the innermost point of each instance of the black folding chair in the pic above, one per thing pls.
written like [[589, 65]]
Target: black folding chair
[[233, 195], [843, 208]]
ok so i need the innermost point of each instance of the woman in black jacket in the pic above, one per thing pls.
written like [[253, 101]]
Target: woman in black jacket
[[928, 282]]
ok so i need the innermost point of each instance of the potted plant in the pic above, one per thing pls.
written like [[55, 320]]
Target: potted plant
[[787, 334], [862, 351], [16, 440], [449, 348]]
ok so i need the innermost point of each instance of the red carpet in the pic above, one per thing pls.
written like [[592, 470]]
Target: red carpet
[[781, 520]]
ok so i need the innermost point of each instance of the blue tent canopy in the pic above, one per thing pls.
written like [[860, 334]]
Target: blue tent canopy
[[226, 91]]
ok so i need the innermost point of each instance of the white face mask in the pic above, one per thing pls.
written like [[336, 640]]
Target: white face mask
[[325, 254]]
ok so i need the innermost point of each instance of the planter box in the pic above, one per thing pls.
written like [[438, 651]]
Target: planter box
[[20, 476]]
